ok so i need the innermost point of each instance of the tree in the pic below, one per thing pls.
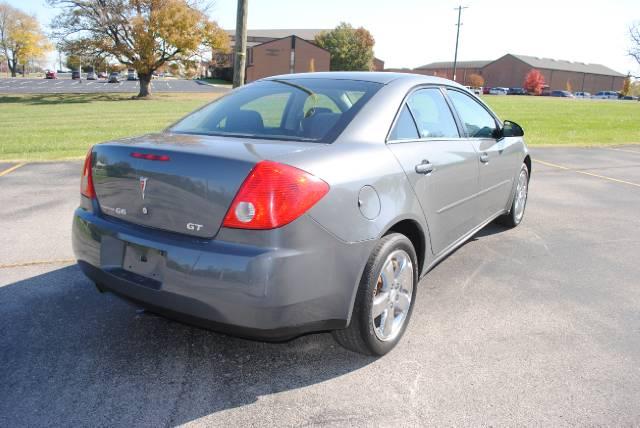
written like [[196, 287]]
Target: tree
[[634, 89], [626, 86], [475, 80], [21, 38], [534, 82], [350, 48], [141, 34], [73, 62], [634, 34]]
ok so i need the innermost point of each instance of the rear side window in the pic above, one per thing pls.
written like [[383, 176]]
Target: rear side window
[[432, 114], [478, 122], [295, 109], [405, 127]]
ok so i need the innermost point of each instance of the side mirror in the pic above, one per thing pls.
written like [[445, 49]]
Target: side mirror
[[512, 129]]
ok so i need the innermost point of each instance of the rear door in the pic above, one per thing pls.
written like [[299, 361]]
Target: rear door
[[497, 158], [441, 166]]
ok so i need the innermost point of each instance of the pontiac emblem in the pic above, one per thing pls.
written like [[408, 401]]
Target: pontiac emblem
[[143, 185]]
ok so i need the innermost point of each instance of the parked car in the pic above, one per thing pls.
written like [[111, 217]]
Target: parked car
[[75, 75], [272, 229], [102, 75], [114, 77], [516, 91], [630, 97], [474, 90], [51, 74], [498, 91], [606, 95], [92, 75], [132, 75], [565, 94], [581, 94], [486, 90]]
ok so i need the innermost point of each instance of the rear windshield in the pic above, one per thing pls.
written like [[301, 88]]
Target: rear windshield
[[294, 109]]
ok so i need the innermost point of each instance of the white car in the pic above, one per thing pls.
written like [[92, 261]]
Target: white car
[[498, 91], [582, 95], [474, 90], [606, 95]]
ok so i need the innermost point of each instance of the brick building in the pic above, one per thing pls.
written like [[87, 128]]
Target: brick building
[[510, 71], [445, 69], [280, 51]]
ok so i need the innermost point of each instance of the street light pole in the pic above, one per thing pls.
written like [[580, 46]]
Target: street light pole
[[455, 57], [240, 48]]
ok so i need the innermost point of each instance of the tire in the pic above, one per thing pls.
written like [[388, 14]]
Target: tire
[[367, 334], [516, 213]]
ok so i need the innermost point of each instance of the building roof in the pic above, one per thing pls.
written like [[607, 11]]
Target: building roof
[[303, 33], [449, 64], [255, 44], [557, 64], [534, 62]]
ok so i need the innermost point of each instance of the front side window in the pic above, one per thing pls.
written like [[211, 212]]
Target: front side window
[[477, 121], [293, 109], [432, 114]]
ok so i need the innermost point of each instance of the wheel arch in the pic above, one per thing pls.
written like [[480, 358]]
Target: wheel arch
[[527, 162], [415, 233]]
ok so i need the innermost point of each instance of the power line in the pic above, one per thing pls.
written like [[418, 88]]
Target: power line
[[455, 57]]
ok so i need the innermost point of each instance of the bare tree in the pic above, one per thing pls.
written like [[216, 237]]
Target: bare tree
[[634, 33]]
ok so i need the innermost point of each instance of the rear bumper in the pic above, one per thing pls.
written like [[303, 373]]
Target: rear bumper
[[270, 285]]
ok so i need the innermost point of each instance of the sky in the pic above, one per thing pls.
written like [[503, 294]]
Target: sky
[[410, 33]]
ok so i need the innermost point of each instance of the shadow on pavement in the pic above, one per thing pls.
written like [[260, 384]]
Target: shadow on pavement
[[72, 356], [488, 230]]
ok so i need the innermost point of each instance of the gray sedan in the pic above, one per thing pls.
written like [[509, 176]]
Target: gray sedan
[[300, 203]]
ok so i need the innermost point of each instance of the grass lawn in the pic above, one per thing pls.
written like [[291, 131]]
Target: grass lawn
[[564, 121], [57, 126]]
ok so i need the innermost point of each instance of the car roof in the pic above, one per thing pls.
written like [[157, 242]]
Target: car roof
[[383, 77]]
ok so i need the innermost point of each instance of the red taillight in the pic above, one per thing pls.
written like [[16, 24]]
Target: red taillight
[[150, 156], [86, 182], [273, 195]]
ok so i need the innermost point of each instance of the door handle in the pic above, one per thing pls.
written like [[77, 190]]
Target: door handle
[[425, 167], [484, 157]]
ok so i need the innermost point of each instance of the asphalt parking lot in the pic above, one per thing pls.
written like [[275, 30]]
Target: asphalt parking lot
[[61, 86], [539, 325]]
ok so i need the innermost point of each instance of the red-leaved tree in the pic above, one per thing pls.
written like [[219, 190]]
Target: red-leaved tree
[[534, 82]]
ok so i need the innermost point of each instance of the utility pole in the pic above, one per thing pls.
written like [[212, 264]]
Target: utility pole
[[455, 57], [240, 48]]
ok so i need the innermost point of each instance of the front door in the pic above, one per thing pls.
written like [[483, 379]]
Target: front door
[[496, 157]]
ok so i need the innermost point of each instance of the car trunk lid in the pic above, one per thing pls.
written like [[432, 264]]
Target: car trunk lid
[[175, 182]]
